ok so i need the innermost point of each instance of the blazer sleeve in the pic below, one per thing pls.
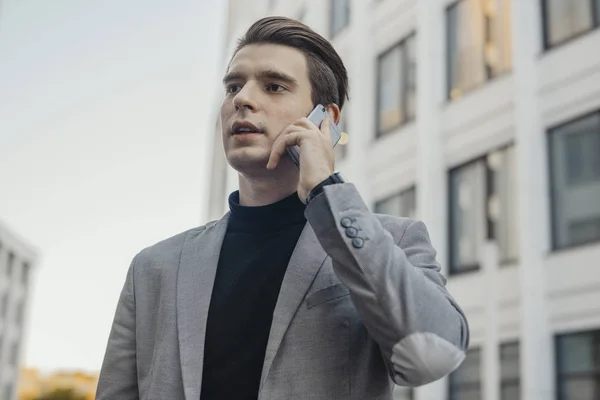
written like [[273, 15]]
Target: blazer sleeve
[[118, 375], [395, 285]]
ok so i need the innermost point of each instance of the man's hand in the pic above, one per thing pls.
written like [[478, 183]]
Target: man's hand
[[316, 152]]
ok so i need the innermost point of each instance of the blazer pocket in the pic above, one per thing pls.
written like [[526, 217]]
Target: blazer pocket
[[327, 294]]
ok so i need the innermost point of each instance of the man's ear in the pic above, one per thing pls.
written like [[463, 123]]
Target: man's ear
[[334, 112]]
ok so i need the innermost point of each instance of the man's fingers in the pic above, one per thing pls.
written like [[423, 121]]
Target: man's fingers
[[280, 145]]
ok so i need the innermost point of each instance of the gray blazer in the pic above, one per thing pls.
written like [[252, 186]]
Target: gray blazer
[[362, 304]]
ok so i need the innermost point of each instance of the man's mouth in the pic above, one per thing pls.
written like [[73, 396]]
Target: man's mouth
[[244, 128]]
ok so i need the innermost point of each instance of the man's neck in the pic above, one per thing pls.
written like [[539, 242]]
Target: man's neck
[[267, 189]]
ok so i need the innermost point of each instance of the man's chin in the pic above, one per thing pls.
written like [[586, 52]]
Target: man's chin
[[247, 162]]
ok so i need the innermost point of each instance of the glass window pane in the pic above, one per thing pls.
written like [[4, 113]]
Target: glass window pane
[[411, 77], [8, 391], [340, 15], [465, 27], [4, 306], [341, 150], [469, 371], [509, 362], [502, 202], [408, 204], [402, 204], [577, 353], [389, 206], [510, 392], [466, 393], [467, 214], [390, 89], [584, 388], [403, 393], [576, 181], [498, 36], [565, 19], [10, 264]]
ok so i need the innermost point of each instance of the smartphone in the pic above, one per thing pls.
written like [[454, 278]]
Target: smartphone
[[316, 116]]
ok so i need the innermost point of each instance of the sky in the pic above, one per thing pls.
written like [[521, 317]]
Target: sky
[[106, 111]]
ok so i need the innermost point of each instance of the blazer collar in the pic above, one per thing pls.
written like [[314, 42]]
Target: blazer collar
[[306, 261], [196, 276]]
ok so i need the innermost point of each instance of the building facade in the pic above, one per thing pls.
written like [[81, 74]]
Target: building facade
[[17, 260], [481, 118]]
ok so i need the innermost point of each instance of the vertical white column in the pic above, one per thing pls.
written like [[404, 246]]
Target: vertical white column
[[490, 372], [431, 169], [362, 75], [536, 348]]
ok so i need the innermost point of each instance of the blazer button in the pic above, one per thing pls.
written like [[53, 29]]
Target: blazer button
[[358, 242], [346, 222], [351, 232]]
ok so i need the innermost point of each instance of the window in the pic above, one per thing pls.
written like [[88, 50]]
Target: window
[[403, 393], [502, 210], [478, 43], [340, 15], [302, 15], [20, 311], [465, 382], [397, 86], [510, 381], [483, 206], [567, 19], [10, 264], [14, 354], [25, 274], [403, 204], [575, 181], [4, 306], [578, 366], [8, 391], [341, 150]]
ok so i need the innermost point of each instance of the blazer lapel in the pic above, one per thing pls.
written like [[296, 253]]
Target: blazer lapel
[[306, 260], [196, 276]]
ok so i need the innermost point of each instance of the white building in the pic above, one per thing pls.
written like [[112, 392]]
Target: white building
[[482, 118], [17, 259]]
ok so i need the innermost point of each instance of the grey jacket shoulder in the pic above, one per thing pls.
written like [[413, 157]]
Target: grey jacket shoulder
[[169, 250]]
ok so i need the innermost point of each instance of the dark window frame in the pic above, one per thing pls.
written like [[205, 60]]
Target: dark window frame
[[489, 77], [335, 31], [452, 271], [550, 131], [546, 26], [10, 264], [379, 133], [558, 376], [512, 382], [397, 193], [471, 385]]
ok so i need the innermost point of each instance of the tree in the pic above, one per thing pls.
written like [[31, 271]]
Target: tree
[[61, 394]]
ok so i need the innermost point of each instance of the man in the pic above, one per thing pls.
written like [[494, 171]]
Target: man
[[299, 292]]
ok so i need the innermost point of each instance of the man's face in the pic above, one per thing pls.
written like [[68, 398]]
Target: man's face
[[267, 88]]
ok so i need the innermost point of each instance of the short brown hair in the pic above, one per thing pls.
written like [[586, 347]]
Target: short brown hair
[[326, 71]]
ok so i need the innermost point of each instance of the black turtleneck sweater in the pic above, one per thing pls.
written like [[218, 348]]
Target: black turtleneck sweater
[[254, 257]]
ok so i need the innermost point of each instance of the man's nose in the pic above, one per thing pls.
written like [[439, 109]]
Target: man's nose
[[245, 98]]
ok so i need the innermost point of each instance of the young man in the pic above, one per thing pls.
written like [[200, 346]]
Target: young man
[[299, 292]]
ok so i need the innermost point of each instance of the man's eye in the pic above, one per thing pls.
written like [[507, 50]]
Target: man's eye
[[233, 88], [275, 88]]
